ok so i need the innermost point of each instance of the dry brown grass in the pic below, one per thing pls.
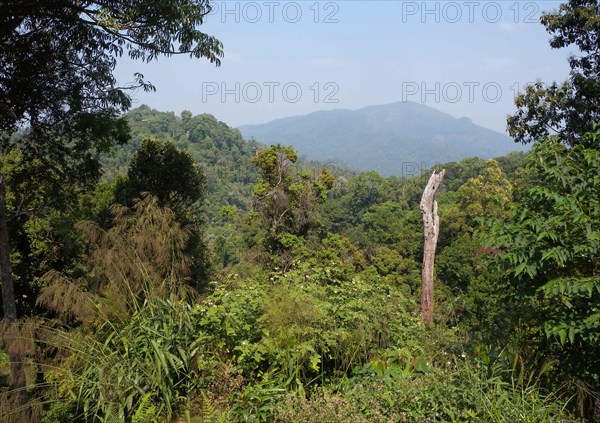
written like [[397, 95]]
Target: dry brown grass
[[140, 258]]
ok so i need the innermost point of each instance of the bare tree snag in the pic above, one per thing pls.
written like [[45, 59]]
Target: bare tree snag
[[431, 229]]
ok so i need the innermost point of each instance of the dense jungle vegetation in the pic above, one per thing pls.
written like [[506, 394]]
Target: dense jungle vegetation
[[187, 274]]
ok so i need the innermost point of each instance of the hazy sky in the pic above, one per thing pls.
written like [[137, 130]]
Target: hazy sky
[[284, 58]]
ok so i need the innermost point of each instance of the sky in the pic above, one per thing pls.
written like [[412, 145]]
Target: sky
[[286, 58]]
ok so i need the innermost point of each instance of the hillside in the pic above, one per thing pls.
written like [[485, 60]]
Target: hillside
[[218, 149], [386, 138]]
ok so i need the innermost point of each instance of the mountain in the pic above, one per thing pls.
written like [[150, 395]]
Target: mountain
[[391, 138]]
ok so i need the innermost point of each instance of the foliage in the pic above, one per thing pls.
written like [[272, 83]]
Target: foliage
[[43, 205], [551, 242], [484, 195], [218, 150], [320, 327], [550, 248], [165, 172], [570, 108], [310, 323], [138, 371], [311, 313], [73, 79], [459, 173], [60, 102], [134, 356], [256, 402], [177, 182], [287, 201], [208, 413], [141, 258], [457, 390], [330, 337]]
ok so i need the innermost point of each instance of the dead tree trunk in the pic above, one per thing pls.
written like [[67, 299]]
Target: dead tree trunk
[[431, 229]]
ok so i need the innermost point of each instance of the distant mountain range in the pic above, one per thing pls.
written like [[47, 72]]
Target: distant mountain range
[[388, 138]]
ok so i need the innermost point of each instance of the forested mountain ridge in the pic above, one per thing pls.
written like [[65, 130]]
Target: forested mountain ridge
[[212, 143], [220, 151], [384, 138], [224, 155]]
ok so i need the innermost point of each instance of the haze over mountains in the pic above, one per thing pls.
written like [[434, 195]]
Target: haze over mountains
[[391, 139]]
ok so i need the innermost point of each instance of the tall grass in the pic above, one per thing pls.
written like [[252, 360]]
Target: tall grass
[[135, 339]]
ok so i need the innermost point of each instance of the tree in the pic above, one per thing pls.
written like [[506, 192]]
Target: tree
[[172, 176], [136, 267], [57, 85], [42, 204], [366, 189], [140, 258], [460, 265], [458, 173], [568, 108], [485, 194], [431, 230], [286, 200], [166, 172], [549, 246], [384, 222], [186, 115], [58, 56]]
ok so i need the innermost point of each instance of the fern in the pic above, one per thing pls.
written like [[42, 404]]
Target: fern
[[209, 413], [146, 411]]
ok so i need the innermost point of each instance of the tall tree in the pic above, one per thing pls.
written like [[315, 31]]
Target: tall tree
[[172, 176], [568, 108], [58, 89], [166, 172], [286, 200], [57, 84], [549, 248], [549, 244]]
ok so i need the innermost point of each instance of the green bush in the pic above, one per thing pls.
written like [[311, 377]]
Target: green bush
[[307, 325], [459, 394], [457, 391], [141, 371]]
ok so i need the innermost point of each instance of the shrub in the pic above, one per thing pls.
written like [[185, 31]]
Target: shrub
[[148, 364]]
